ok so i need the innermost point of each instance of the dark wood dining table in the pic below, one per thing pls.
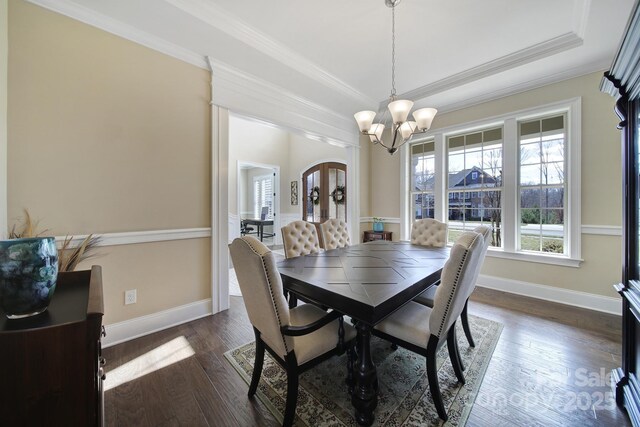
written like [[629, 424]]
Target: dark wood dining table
[[366, 282]]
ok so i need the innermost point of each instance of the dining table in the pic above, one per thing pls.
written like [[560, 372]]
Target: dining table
[[366, 282]]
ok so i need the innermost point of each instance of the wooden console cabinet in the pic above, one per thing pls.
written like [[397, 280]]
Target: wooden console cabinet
[[370, 236], [51, 365]]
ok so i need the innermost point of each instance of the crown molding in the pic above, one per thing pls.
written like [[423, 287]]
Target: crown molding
[[219, 18], [252, 96], [523, 87], [507, 62]]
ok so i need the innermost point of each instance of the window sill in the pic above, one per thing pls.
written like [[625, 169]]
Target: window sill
[[539, 258]]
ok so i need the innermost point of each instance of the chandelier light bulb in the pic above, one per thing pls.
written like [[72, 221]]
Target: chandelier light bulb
[[376, 132], [424, 117], [400, 110], [407, 129], [365, 120]]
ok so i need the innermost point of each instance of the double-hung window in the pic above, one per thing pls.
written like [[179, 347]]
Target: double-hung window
[[542, 183], [474, 183], [518, 173], [422, 180]]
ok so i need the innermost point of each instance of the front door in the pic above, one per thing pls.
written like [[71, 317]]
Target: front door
[[324, 189]]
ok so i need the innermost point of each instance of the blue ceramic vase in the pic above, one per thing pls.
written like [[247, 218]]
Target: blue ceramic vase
[[28, 273], [378, 226]]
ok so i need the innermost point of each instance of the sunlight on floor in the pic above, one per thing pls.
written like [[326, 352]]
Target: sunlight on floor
[[171, 352]]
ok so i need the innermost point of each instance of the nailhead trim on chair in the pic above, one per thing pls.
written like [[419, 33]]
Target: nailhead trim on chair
[[455, 285], [273, 300]]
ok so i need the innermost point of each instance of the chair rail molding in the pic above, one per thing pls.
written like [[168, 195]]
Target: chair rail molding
[[136, 237]]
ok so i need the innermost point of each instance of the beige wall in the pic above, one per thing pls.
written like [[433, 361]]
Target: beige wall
[[4, 54], [108, 136], [601, 185]]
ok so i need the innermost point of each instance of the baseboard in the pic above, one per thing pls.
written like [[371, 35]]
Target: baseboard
[[140, 326], [595, 302]]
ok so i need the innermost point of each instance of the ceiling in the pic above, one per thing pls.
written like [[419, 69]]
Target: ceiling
[[335, 55]]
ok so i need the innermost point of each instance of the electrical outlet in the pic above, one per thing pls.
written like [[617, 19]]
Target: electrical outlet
[[130, 297]]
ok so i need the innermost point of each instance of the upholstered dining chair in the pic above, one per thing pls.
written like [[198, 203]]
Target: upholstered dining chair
[[428, 296], [299, 238], [429, 232], [298, 338], [423, 329], [335, 234]]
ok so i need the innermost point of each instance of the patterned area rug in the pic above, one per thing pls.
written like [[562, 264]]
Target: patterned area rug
[[403, 397]]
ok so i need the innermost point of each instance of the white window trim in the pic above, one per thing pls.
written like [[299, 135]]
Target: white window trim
[[510, 160]]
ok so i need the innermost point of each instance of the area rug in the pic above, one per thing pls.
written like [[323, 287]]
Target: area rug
[[404, 398]]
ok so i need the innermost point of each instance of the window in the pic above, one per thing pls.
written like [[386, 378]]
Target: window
[[422, 180], [263, 195], [475, 163], [519, 173], [542, 184]]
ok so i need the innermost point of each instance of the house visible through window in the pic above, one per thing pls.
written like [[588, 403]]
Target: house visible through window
[[520, 174], [475, 163], [263, 195]]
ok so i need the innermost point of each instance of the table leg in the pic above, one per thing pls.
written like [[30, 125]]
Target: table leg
[[365, 396], [261, 230]]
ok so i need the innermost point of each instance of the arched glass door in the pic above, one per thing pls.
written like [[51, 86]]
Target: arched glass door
[[324, 189]]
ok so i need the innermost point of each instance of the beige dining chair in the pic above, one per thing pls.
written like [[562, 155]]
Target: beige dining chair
[[335, 234], [423, 329], [429, 232], [299, 338], [428, 296], [299, 238]]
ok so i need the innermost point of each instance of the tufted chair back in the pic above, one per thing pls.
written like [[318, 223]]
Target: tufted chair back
[[335, 234], [299, 238], [261, 288], [429, 232], [456, 282]]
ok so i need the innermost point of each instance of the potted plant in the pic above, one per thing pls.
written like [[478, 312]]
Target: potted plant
[[378, 224]]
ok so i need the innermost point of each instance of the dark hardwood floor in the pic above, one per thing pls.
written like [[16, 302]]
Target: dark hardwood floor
[[550, 367]]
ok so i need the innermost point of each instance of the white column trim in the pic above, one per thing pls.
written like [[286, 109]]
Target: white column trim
[[604, 230], [219, 203]]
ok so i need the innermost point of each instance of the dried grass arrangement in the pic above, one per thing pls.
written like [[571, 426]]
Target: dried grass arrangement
[[69, 255]]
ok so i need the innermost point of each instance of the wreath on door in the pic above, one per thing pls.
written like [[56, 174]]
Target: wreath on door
[[338, 195], [314, 196]]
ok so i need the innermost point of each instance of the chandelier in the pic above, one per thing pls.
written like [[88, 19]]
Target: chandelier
[[402, 129]]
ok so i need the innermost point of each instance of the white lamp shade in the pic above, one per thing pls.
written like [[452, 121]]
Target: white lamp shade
[[400, 110], [424, 117], [376, 130], [364, 119], [406, 129]]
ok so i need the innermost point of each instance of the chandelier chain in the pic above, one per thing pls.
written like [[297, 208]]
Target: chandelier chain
[[393, 52]]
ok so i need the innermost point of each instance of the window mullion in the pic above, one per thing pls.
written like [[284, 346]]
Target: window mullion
[[440, 181], [510, 187]]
